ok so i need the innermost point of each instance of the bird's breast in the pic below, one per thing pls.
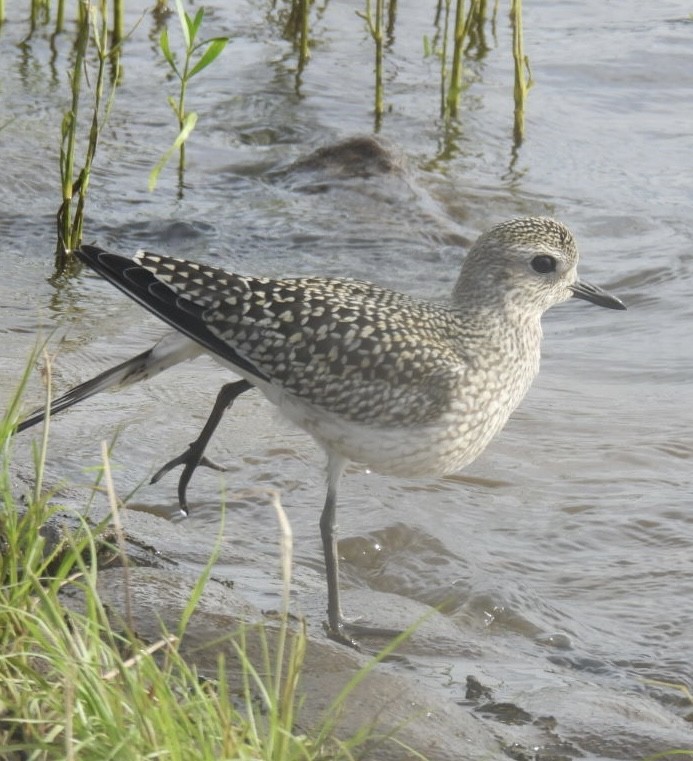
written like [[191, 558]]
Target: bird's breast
[[478, 408]]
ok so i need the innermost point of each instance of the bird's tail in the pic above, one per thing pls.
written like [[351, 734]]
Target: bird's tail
[[170, 350]]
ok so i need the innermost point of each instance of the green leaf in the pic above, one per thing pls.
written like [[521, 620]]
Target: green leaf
[[196, 24], [166, 50], [190, 27], [184, 22], [215, 46], [188, 126]]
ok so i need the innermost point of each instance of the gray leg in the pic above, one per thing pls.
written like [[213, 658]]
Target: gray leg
[[194, 454], [337, 627], [328, 527]]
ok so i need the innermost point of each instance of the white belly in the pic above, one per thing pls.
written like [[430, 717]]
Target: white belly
[[441, 446], [436, 448]]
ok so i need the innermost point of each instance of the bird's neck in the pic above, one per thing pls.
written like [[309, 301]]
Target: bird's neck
[[497, 330], [500, 319]]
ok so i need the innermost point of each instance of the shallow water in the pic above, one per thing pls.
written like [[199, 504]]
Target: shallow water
[[563, 555]]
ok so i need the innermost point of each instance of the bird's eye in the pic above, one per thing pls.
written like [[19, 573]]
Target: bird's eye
[[543, 264]]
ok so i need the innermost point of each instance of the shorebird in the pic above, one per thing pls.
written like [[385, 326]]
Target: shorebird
[[405, 386]]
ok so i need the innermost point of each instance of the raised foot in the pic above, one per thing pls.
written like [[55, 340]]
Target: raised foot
[[187, 458], [194, 454]]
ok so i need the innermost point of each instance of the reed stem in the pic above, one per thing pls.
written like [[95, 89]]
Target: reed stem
[[523, 77], [303, 49], [456, 75], [374, 23], [297, 28], [60, 17], [70, 226], [118, 21]]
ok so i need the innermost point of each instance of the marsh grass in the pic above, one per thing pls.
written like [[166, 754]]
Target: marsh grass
[[76, 682], [460, 34], [375, 21], [523, 74], [461, 27], [118, 21], [60, 17], [297, 29], [39, 13], [92, 35]]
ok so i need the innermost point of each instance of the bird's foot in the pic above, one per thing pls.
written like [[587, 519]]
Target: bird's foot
[[187, 458], [191, 459], [194, 454], [349, 632]]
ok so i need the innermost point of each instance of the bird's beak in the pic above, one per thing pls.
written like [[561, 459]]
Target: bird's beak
[[596, 295]]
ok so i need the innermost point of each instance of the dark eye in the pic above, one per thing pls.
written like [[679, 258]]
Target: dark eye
[[543, 264]]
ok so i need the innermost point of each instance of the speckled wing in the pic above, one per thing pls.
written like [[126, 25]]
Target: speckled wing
[[167, 301], [343, 345], [360, 351]]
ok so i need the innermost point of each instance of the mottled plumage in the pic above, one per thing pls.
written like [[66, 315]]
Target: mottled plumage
[[349, 347], [403, 385]]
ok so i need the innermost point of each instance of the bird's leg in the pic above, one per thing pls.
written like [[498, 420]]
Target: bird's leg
[[194, 454], [328, 527], [337, 627]]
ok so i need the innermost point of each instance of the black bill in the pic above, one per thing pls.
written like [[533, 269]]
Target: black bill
[[596, 295]]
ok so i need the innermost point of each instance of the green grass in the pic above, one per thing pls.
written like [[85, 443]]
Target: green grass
[[77, 683]]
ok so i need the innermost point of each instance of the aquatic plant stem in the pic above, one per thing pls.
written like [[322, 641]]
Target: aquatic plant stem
[[374, 23], [444, 57], [456, 75], [118, 21], [69, 226], [304, 50], [463, 24], [186, 121], [69, 139], [59, 17], [523, 76], [297, 28]]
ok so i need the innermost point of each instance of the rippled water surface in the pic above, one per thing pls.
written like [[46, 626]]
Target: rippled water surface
[[564, 554]]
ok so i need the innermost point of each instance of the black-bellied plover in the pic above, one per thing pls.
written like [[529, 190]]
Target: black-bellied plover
[[404, 386]]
